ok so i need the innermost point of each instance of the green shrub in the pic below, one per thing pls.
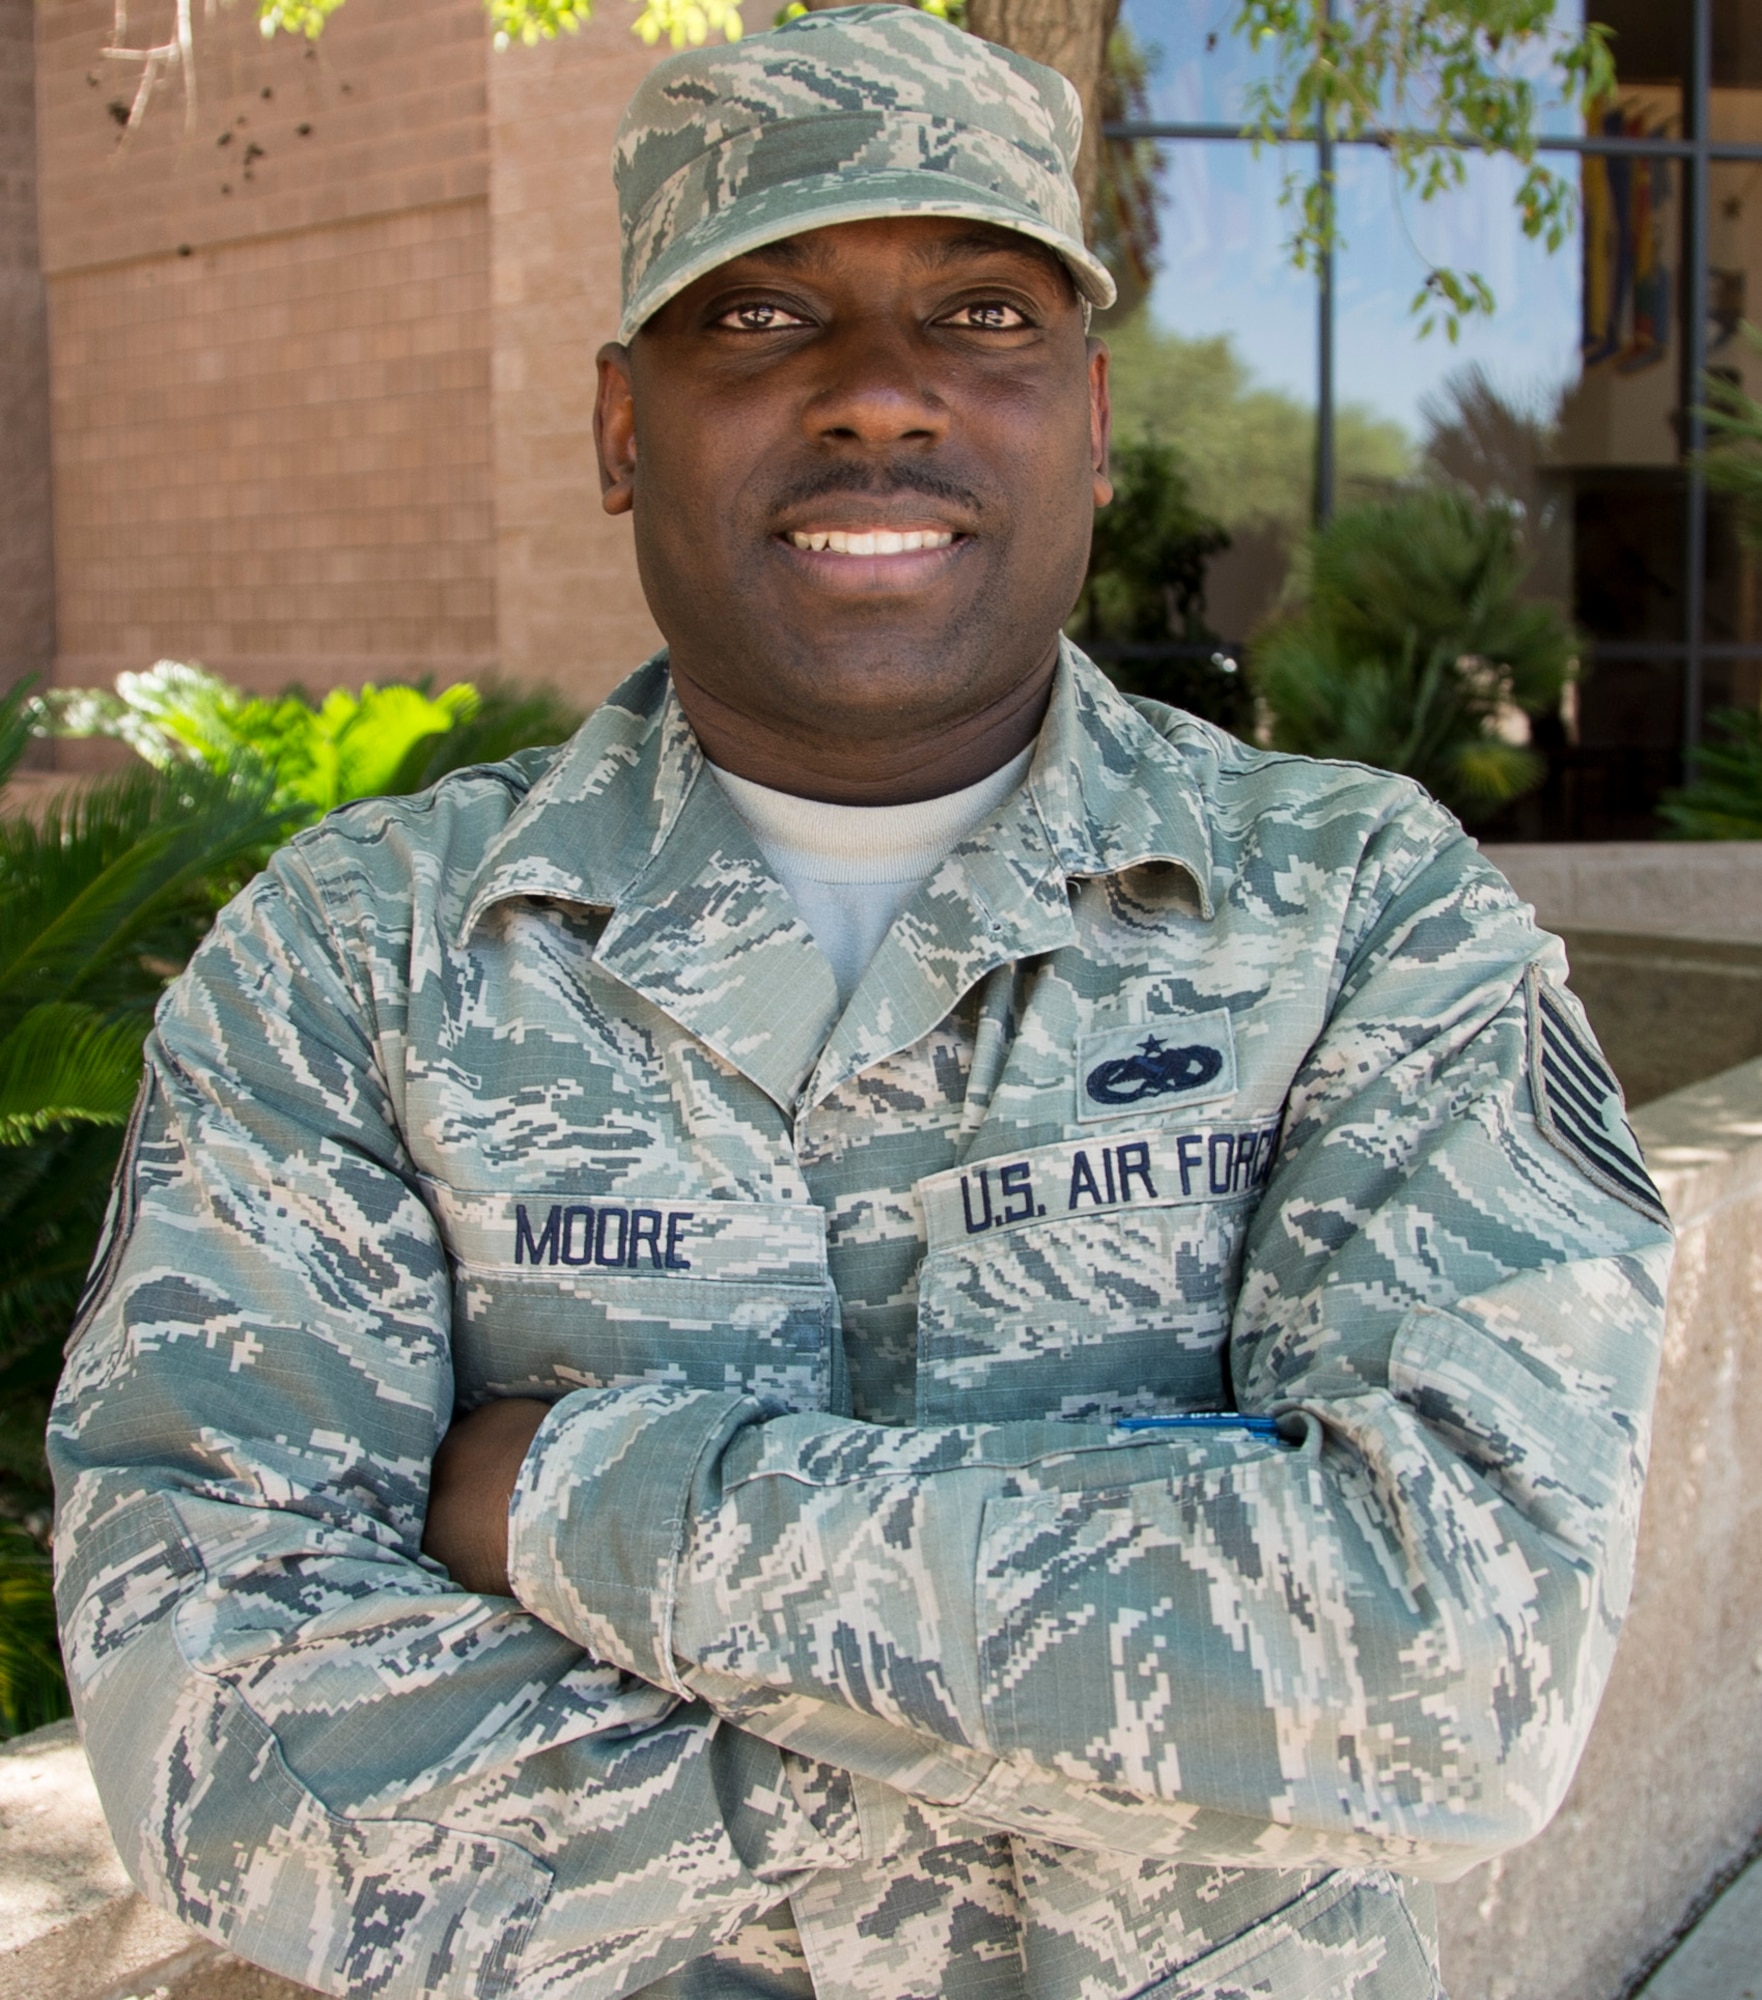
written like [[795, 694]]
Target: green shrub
[[1145, 589], [1723, 798], [103, 896], [1414, 645]]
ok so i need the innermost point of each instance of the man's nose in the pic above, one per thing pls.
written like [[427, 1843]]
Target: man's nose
[[878, 389]]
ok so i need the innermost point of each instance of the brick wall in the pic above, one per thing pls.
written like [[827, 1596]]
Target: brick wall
[[27, 588], [270, 369], [273, 456], [571, 608], [323, 347]]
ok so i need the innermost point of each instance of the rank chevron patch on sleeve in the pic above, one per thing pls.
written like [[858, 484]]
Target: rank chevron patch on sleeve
[[1578, 1101]]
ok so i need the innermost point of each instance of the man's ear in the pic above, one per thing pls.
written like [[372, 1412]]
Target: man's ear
[[1100, 421], [614, 429]]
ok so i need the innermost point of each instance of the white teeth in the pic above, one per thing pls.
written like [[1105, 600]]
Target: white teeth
[[870, 542]]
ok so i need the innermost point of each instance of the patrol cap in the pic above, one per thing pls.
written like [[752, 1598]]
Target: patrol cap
[[837, 117]]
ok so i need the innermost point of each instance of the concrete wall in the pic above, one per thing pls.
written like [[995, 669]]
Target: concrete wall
[[27, 590], [1666, 888], [1670, 1791]]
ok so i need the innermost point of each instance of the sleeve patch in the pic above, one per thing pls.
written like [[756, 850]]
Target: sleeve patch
[[1578, 1102]]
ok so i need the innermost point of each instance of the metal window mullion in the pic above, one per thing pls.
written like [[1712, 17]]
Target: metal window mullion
[[1693, 294]]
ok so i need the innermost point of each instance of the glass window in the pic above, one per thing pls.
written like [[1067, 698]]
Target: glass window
[[1199, 72], [1216, 355], [1487, 411], [1734, 249], [1564, 402], [1651, 40], [1735, 111]]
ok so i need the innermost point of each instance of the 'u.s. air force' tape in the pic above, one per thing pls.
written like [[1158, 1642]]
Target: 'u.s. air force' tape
[[1578, 1101], [1083, 1177]]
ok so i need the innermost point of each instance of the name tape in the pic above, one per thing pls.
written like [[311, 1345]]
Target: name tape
[[563, 1232]]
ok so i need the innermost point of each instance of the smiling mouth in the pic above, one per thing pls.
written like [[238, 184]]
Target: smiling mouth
[[870, 541]]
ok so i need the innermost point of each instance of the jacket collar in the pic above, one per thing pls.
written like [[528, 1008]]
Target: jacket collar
[[625, 821], [1113, 792]]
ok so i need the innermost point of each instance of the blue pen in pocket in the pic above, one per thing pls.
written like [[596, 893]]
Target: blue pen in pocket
[[1207, 1420]]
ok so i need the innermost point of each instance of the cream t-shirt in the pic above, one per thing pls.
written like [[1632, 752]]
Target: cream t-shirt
[[850, 870]]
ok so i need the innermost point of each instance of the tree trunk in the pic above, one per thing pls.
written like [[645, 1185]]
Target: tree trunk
[[1069, 36]]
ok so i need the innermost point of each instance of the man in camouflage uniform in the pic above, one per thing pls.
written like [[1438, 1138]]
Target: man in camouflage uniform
[[1093, 1462]]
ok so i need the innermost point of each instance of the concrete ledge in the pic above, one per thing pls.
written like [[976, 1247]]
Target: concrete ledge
[[1670, 1792], [71, 1925], [1667, 888]]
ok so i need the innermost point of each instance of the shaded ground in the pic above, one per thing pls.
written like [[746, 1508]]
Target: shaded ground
[[1668, 1011]]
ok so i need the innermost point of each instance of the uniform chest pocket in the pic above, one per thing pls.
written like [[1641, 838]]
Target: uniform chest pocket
[[588, 1291], [1088, 1280]]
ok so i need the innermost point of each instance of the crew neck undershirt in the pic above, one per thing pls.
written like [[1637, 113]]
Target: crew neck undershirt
[[850, 870]]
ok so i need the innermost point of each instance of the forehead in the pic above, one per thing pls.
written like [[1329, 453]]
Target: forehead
[[912, 244]]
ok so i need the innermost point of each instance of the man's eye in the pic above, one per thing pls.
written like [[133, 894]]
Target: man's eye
[[760, 316], [989, 316]]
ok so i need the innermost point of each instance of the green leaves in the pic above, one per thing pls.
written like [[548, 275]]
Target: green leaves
[[295, 17], [32, 1692], [1415, 650], [307, 760], [103, 896], [1723, 798], [64, 1064], [1432, 82]]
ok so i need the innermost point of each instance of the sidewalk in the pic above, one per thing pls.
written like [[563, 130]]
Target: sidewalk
[[1721, 1958]]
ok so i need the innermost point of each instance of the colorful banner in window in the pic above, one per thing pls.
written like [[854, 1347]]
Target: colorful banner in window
[[1627, 290]]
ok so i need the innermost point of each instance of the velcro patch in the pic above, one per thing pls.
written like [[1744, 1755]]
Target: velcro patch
[[1173, 1061], [1578, 1102]]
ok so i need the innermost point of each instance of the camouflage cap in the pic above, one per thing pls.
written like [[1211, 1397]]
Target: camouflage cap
[[836, 117]]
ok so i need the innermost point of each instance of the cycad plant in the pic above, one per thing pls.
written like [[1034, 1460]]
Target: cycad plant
[[1415, 648], [102, 896], [385, 739], [1145, 590], [1723, 798]]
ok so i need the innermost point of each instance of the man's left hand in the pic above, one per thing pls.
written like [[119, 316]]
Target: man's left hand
[[474, 1473]]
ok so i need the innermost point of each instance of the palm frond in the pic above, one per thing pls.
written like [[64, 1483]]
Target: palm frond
[[105, 865], [15, 725], [33, 1690], [1412, 642], [1723, 798], [505, 720], [64, 1064]]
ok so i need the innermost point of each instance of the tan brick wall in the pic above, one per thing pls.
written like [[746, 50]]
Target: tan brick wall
[[27, 590], [571, 608], [274, 456], [392, 96], [335, 418], [271, 396]]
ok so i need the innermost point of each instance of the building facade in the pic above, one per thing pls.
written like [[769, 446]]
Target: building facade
[[318, 367], [296, 378]]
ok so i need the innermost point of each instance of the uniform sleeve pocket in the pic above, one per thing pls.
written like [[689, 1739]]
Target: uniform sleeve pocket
[[1350, 1933], [1535, 1425], [400, 1908]]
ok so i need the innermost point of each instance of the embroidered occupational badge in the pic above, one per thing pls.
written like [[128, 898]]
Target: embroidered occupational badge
[[1578, 1101], [1187, 1056]]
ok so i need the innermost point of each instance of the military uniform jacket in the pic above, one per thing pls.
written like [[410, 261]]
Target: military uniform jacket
[[868, 1642]]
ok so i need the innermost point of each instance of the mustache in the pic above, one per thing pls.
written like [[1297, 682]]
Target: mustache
[[882, 483]]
